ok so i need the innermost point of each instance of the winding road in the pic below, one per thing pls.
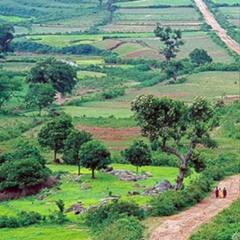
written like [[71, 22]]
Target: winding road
[[216, 27], [181, 226]]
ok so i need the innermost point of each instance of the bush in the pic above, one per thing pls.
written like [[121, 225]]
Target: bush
[[107, 214], [124, 228]]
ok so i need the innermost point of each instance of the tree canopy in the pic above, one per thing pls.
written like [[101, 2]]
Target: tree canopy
[[172, 40], [40, 95], [54, 133], [138, 154], [168, 122], [9, 87], [6, 36], [24, 167], [61, 75], [94, 155], [73, 145], [200, 56]]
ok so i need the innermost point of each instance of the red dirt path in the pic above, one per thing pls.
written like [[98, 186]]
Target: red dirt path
[[181, 226]]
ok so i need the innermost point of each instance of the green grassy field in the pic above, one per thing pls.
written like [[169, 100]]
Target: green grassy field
[[154, 2], [230, 2]]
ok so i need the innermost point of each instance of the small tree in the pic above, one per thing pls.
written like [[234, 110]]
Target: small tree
[[40, 95], [54, 133], [9, 87], [94, 155], [6, 36], [173, 69], [73, 145], [61, 75], [138, 154], [171, 38], [200, 56], [167, 122]]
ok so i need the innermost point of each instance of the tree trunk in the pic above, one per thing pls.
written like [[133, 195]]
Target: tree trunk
[[182, 174], [55, 155], [39, 111], [79, 170], [137, 169], [111, 16], [93, 173]]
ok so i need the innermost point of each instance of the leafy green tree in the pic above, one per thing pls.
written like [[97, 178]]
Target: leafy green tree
[[40, 95], [54, 133], [94, 155], [23, 167], [172, 40], [9, 87], [61, 75], [200, 57], [111, 8], [6, 36], [73, 145], [167, 122], [173, 69], [138, 154]]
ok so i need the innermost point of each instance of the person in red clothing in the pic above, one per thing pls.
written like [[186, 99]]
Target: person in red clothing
[[217, 192]]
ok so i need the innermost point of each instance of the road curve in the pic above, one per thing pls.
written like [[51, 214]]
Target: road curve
[[215, 26], [184, 224]]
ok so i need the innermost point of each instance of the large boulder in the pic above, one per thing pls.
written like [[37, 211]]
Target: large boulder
[[163, 186]]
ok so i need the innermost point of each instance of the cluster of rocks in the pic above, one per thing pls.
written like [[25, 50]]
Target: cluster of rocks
[[78, 208], [129, 176], [163, 186]]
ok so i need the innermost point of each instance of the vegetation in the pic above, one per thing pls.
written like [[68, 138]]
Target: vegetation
[[165, 120]]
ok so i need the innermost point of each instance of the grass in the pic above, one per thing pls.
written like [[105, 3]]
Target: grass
[[212, 85], [154, 2], [44, 232]]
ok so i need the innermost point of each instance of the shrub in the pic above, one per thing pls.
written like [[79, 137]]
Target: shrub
[[124, 228]]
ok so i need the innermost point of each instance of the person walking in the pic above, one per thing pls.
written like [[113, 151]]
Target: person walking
[[220, 193], [216, 192], [224, 192]]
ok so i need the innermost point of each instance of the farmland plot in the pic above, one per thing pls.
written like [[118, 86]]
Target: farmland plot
[[232, 14]]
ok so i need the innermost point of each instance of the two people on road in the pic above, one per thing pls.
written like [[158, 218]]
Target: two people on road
[[220, 193]]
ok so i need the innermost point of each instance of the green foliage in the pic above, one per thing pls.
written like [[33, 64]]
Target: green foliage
[[171, 38], [61, 75], [9, 86], [107, 214], [200, 56], [22, 168], [73, 145], [94, 155], [138, 154], [6, 36], [124, 228], [40, 95], [54, 133]]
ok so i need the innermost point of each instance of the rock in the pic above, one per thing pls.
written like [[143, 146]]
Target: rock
[[107, 169], [78, 208], [163, 186], [41, 197], [148, 174], [109, 199], [133, 193], [85, 187], [77, 179]]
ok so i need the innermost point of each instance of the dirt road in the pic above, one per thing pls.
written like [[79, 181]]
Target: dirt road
[[215, 26], [182, 225]]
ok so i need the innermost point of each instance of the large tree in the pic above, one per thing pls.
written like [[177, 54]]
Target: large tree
[[168, 123], [172, 40], [138, 154], [200, 56], [54, 133], [9, 87], [61, 75], [6, 36], [73, 145], [94, 155], [40, 95]]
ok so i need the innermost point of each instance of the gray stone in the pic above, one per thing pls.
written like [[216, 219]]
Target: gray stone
[[163, 186]]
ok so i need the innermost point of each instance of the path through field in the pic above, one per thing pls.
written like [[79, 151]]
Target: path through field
[[182, 225], [215, 26]]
